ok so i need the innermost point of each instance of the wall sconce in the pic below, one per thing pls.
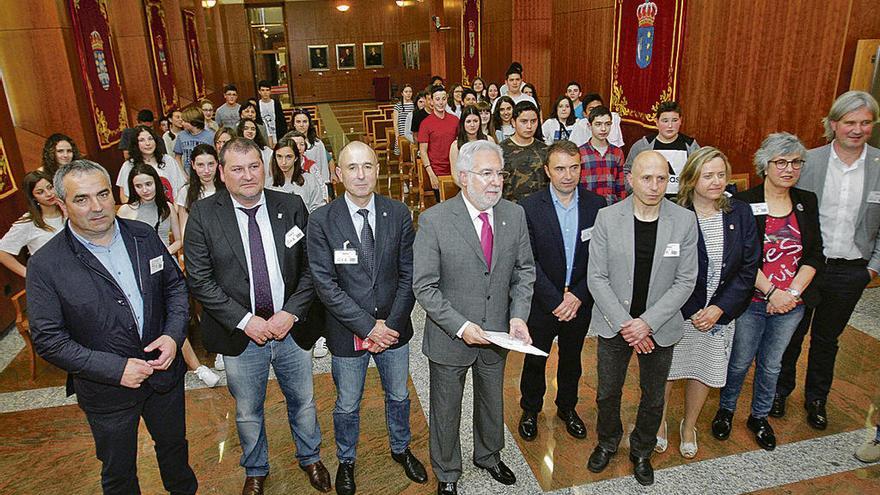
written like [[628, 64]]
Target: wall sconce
[[400, 3], [208, 3], [343, 7]]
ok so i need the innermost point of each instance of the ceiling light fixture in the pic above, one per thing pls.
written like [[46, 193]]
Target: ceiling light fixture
[[208, 3], [343, 7], [400, 3]]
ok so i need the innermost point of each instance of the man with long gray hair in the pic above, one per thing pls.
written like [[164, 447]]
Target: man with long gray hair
[[481, 280], [845, 175], [108, 305]]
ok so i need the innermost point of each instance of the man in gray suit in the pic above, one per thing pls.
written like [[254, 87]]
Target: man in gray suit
[[481, 280], [642, 269], [845, 175]]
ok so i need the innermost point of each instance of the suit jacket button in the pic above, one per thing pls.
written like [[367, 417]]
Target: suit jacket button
[[626, 302], [488, 297], [484, 320], [486, 273]]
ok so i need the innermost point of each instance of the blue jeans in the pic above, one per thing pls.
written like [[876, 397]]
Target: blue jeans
[[762, 338], [247, 375], [348, 375]]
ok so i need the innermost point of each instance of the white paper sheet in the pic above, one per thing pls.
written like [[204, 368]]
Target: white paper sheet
[[504, 340]]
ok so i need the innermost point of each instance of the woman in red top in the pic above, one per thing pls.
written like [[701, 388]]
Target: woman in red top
[[788, 223]]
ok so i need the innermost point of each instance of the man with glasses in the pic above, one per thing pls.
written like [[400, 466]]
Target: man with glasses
[[365, 283], [473, 273], [227, 114], [524, 156], [845, 175]]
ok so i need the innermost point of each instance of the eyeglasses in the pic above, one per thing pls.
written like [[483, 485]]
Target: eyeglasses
[[487, 175], [781, 163]]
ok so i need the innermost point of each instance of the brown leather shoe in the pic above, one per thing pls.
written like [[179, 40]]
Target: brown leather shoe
[[253, 485], [318, 476]]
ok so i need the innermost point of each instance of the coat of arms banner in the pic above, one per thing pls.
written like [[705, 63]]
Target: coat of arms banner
[[470, 41], [190, 36], [646, 57], [91, 28], [161, 54]]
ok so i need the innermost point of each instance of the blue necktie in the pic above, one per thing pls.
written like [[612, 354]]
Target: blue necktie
[[263, 306]]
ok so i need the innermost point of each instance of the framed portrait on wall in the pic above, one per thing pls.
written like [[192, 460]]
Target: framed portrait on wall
[[319, 58], [414, 50], [7, 181], [373, 55], [404, 53], [345, 57]]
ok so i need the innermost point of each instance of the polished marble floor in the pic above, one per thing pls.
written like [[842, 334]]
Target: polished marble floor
[[45, 441]]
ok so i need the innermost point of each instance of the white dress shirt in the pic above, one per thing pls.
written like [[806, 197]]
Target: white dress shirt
[[276, 281], [839, 209], [356, 217], [474, 215]]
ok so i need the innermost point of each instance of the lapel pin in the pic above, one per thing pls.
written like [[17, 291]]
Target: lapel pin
[[503, 223], [280, 215], [384, 213], [800, 207], [731, 226]]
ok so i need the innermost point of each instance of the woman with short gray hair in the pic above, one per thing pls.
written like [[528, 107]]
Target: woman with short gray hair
[[788, 221]]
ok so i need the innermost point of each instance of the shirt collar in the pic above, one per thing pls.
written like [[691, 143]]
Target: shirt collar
[[236, 204], [558, 203], [473, 212], [353, 208], [91, 245], [856, 163]]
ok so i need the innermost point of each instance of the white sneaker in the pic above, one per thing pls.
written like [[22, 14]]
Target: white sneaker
[[218, 363], [320, 349], [206, 375]]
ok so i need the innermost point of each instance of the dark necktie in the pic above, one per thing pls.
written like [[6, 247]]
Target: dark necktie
[[367, 242], [263, 306]]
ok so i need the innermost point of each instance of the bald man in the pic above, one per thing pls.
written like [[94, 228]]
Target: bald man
[[361, 256], [642, 269]]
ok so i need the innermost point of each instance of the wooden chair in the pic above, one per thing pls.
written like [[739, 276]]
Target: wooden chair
[[389, 112], [364, 114], [368, 130], [448, 187], [405, 165], [423, 179], [19, 301]]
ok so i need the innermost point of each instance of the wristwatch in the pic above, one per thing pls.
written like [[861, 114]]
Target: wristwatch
[[794, 292]]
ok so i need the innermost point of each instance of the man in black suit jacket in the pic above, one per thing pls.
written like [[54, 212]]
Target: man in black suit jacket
[[361, 258], [108, 305], [560, 219], [246, 258], [270, 111]]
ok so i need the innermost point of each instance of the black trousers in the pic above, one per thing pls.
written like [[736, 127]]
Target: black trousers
[[841, 287], [116, 443], [532, 383], [613, 359]]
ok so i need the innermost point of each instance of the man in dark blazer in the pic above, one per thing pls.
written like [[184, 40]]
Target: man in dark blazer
[[246, 258], [560, 219], [360, 255], [642, 269], [108, 305], [473, 273], [270, 111], [845, 175]]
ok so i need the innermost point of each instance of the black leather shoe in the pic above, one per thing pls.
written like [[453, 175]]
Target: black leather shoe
[[763, 432], [573, 424], [816, 415], [642, 469], [413, 468], [528, 425], [722, 424], [447, 488], [345, 479], [599, 459], [777, 410], [500, 472]]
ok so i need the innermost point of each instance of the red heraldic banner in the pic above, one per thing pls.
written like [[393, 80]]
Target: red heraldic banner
[[470, 41], [91, 28], [646, 57], [191, 38], [161, 54]]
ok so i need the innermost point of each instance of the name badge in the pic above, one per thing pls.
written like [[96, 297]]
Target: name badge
[[874, 197], [672, 250], [293, 236], [760, 209], [586, 234], [345, 256], [157, 264]]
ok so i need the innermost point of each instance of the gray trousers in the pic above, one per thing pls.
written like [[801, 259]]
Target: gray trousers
[[447, 388]]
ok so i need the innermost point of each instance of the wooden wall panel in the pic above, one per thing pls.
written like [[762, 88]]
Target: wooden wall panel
[[863, 24], [530, 44], [581, 46], [496, 43], [452, 17], [319, 23]]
